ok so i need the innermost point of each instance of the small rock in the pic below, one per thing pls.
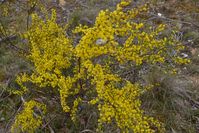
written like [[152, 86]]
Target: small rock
[[100, 41]]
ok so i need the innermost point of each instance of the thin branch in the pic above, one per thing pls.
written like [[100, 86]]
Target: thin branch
[[47, 123], [10, 120], [9, 40], [4, 88], [5, 39], [87, 131], [173, 20], [30, 11]]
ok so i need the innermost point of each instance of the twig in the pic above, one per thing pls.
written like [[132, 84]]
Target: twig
[[7, 82], [29, 13], [89, 119], [169, 19], [87, 130], [8, 38], [48, 122], [5, 39], [7, 125]]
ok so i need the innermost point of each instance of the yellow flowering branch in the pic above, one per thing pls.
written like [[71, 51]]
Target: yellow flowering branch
[[115, 38]]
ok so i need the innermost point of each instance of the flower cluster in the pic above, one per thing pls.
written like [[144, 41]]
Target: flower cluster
[[121, 105], [27, 120], [116, 37], [51, 53]]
